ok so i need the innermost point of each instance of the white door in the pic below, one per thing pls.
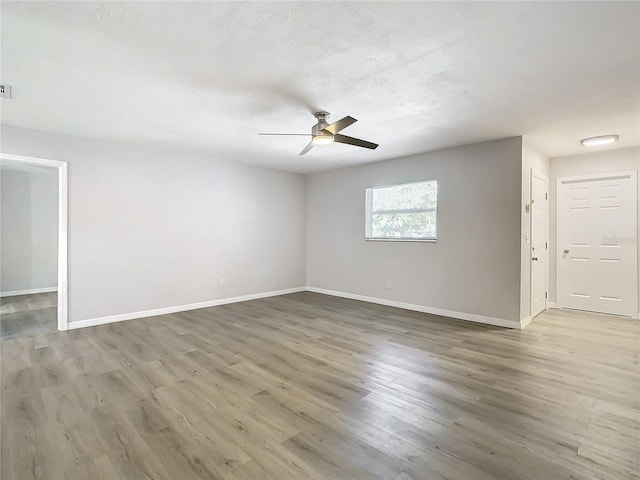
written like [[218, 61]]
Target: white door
[[597, 243], [539, 245]]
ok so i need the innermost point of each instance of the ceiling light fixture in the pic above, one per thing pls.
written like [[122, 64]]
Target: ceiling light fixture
[[600, 140]]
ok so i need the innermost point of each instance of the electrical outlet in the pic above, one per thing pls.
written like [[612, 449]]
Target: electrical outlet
[[387, 284], [223, 281]]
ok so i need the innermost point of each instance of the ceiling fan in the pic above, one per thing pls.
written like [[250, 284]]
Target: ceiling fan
[[323, 133]]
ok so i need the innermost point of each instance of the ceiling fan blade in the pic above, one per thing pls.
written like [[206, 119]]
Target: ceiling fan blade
[[307, 148], [297, 134], [340, 124], [354, 141]]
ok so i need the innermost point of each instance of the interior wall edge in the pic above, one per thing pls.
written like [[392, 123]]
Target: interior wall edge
[[206, 219]]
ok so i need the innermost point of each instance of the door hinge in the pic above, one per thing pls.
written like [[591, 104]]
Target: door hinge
[[545, 294], [546, 247], [546, 196]]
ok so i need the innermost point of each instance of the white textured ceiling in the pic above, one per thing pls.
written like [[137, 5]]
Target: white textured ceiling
[[419, 76]]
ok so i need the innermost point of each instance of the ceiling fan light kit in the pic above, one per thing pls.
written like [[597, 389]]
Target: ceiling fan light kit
[[323, 133], [320, 136], [322, 139]]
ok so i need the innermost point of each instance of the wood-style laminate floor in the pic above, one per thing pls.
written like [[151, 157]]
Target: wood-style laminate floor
[[27, 315], [307, 386]]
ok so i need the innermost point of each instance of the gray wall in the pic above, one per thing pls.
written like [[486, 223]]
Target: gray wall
[[29, 229], [626, 159], [475, 265], [153, 228]]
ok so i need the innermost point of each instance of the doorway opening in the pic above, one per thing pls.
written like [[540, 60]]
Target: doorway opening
[[29, 290]]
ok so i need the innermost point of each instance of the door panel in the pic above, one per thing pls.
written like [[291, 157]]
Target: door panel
[[597, 244], [539, 252]]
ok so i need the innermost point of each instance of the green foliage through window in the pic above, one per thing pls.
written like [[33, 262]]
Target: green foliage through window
[[402, 212]]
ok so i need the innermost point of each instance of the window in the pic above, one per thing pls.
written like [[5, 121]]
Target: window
[[402, 212]]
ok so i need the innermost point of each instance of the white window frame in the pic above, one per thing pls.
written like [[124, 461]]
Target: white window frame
[[369, 213]]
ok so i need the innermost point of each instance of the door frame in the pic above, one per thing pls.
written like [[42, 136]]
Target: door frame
[[63, 286], [546, 222], [597, 176]]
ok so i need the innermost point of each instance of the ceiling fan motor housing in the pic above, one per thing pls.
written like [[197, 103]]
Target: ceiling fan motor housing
[[318, 133], [322, 121]]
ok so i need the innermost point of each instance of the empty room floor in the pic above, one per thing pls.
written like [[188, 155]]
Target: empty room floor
[[307, 386], [28, 315]]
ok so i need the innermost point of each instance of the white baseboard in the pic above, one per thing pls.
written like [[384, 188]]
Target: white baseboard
[[92, 322], [500, 322], [28, 292], [637, 317]]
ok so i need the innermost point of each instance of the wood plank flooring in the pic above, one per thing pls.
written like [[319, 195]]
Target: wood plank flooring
[[26, 315], [307, 386]]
